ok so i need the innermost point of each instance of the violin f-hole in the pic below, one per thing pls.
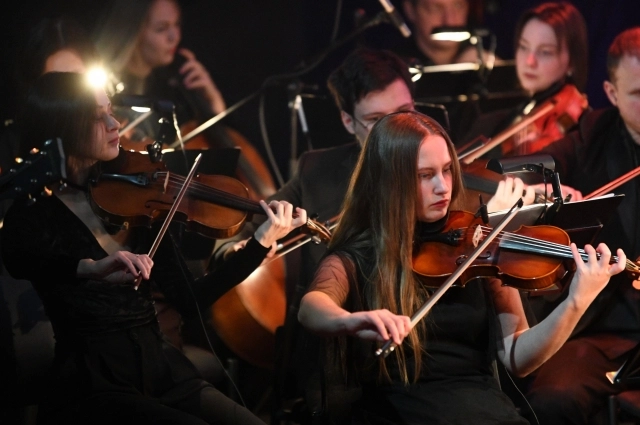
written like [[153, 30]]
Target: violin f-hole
[[485, 256]]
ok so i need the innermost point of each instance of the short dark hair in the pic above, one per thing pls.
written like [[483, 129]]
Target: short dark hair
[[366, 70], [625, 43], [59, 104]]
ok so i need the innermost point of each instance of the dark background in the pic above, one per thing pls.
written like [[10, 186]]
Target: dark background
[[243, 42]]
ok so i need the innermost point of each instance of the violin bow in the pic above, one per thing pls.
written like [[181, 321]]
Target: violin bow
[[614, 184], [389, 346], [171, 212], [470, 156]]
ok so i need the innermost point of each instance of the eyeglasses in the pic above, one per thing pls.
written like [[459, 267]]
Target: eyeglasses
[[368, 125]]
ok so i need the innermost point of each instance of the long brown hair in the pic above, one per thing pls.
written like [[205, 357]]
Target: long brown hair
[[379, 213]]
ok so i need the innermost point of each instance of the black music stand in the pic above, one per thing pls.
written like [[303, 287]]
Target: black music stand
[[453, 83], [628, 376], [223, 161], [436, 111], [583, 220]]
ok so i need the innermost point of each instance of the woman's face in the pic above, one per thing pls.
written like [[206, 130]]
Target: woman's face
[[106, 140], [435, 179], [160, 34], [540, 59]]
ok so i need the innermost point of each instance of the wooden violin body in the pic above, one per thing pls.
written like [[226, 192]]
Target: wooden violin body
[[134, 191], [435, 260], [567, 107]]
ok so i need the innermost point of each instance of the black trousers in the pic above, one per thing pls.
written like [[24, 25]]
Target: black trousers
[[134, 377]]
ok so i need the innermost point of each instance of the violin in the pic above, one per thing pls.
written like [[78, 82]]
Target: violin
[[532, 258], [537, 127], [132, 190]]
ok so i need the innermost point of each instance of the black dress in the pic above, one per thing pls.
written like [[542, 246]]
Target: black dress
[[457, 382], [112, 364]]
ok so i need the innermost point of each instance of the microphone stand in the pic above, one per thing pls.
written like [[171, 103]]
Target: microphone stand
[[275, 79]]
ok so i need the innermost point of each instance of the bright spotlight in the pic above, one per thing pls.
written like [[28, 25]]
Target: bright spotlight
[[97, 77]]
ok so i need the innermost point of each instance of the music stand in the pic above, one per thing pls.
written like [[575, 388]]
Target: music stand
[[629, 373], [222, 161], [583, 220], [452, 83], [436, 111]]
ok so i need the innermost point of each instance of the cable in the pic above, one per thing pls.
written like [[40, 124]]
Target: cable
[[267, 144], [278, 78], [202, 325], [522, 395]]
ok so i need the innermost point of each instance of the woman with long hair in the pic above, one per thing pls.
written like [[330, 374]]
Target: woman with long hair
[[401, 192]]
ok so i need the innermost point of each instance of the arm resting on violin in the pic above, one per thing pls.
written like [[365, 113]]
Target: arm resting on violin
[[524, 349]]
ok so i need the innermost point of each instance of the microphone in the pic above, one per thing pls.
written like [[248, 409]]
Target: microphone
[[395, 18]]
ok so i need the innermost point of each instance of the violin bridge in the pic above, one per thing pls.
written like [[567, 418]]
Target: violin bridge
[[166, 182], [477, 236]]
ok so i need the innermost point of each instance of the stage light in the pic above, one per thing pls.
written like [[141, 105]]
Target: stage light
[[96, 77]]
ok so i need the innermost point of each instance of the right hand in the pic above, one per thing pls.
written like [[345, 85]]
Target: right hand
[[508, 192], [378, 325], [121, 267]]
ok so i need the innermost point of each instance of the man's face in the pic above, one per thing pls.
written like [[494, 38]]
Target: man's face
[[624, 92], [425, 15], [375, 105]]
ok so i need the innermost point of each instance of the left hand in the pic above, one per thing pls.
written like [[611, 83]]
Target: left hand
[[509, 191], [196, 77], [280, 222], [592, 276]]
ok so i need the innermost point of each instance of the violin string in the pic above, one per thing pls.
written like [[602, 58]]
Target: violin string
[[203, 190], [552, 248]]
